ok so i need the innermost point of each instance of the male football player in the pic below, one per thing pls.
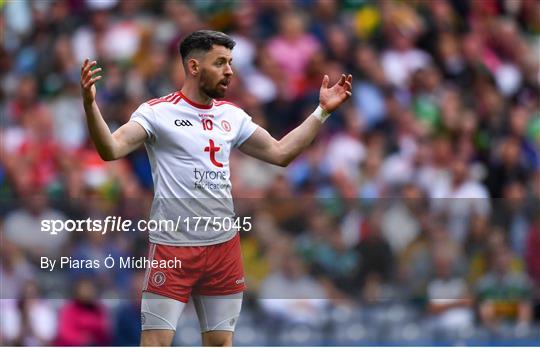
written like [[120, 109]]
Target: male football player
[[189, 135]]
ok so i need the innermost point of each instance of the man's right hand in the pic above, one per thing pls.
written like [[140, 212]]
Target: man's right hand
[[109, 146], [89, 78]]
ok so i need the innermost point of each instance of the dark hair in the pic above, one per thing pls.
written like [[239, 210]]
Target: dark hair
[[203, 40]]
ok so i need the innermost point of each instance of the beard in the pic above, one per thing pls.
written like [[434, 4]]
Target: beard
[[209, 87]]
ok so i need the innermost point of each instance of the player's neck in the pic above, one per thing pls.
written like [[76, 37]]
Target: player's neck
[[194, 94]]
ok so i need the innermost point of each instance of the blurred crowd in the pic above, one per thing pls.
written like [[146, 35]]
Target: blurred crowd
[[422, 192]]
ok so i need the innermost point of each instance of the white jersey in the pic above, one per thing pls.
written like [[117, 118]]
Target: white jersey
[[188, 147]]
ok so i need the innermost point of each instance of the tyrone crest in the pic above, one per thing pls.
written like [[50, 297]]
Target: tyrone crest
[[158, 278], [226, 126]]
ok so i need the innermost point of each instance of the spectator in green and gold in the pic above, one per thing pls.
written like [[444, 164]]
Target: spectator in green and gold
[[504, 296]]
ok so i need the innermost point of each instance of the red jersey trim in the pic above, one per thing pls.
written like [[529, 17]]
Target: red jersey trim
[[223, 102], [177, 96], [195, 104], [170, 98]]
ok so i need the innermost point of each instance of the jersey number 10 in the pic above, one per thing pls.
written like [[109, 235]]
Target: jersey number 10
[[207, 125]]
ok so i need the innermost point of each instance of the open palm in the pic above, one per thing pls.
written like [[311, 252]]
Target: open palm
[[331, 98]]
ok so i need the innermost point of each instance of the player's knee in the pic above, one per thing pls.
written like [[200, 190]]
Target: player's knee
[[217, 338], [156, 338]]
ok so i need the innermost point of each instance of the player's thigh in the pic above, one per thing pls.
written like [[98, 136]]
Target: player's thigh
[[159, 318], [218, 313], [157, 338], [217, 338]]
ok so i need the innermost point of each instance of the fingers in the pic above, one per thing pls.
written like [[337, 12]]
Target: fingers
[[341, 80], [325, 81], [89, 83], [88, 76], [91, 74], [348, 85], [87, 66], [84, 64]]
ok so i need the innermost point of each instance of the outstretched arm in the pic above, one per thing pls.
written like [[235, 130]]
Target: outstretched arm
[[109, 146], [263, 146]]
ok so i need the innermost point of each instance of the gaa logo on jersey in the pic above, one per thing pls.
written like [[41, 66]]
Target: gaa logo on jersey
[[226, 126], [158, 279], [182, 123]]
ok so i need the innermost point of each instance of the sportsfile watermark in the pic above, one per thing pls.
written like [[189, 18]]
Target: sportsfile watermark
[[119, 224], [285, 235]]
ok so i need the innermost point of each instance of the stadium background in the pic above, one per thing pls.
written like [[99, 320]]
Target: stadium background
[[413, 218]]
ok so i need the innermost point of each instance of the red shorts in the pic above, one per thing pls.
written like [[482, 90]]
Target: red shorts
[[210, 270]]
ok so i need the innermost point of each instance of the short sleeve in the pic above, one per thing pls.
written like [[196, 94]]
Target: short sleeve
[[247, 127], [144, 115]]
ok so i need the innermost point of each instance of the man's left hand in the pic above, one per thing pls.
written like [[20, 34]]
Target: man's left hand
[[331, 98]]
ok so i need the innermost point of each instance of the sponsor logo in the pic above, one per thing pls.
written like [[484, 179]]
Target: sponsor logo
[[226, 126], [182, 123], [231, 322], [212, 149], [158, 279], [143, 318], [209, 174], [206, 179], [240, 281]]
